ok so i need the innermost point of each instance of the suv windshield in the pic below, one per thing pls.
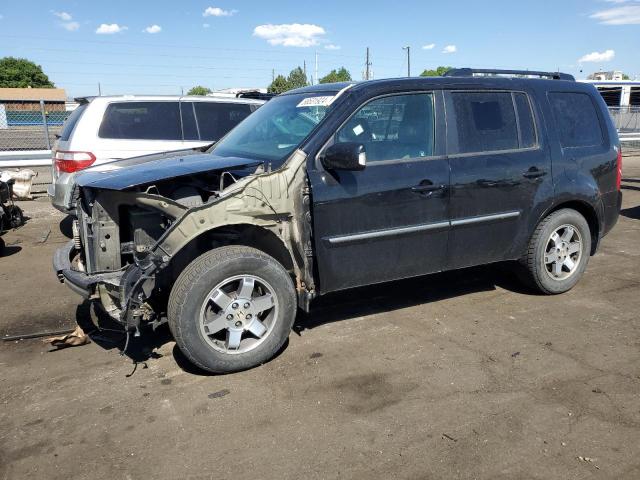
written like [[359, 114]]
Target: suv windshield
[[275, 130]]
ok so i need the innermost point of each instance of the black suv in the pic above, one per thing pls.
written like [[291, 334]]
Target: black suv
[[336, 186]]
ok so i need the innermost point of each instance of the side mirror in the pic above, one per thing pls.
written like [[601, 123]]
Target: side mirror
[[345, 156]]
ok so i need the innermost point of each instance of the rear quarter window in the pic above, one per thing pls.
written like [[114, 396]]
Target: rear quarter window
[[576, 118], [71, 122], [141, 121]]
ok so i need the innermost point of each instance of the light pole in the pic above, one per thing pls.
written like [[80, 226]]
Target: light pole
[[408, 49]]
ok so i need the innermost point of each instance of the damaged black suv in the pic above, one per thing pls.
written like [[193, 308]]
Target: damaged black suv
[[336, 186]]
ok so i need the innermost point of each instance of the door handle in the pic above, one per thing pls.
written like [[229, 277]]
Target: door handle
[[427, 188], [534, 172]]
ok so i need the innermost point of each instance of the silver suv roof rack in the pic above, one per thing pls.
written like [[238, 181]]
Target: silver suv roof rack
[[470, 72]]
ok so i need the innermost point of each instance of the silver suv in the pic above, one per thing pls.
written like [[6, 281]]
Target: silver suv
[[104, 129]]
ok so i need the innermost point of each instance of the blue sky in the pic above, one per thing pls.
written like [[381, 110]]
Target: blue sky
[[161, 46]]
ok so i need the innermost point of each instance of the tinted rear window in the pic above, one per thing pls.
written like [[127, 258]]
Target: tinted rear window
[[216, 119], [71, 121], [485, 121], [142, 121], [576, 118]]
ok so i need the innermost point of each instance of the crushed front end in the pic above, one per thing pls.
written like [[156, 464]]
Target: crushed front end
[[137, 228], [110, 258]]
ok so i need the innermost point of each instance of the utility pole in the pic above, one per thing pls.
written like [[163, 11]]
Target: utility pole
[[99, 90], [304, 67], [367, 74], [408, 49], [316, 70], [273, 75]]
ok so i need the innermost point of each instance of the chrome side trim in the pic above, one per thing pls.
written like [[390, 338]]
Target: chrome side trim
[[484, 218], [391, 232]]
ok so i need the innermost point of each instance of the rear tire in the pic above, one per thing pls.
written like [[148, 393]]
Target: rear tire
[[232, 309], [558, 252]]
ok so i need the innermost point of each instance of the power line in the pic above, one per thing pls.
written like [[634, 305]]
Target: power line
[[168, 45]]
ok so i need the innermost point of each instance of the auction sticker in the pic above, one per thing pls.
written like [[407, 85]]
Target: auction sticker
[[324, 101]]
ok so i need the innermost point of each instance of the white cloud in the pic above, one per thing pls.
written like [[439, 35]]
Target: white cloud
[[218, 12], [331, 46], [67, 22], [450, 49], [71, 26], [153, 29], [110, 28], [205, 25], [605, 56], [623, 15], [64, 16], [290, 34], [429, 46]]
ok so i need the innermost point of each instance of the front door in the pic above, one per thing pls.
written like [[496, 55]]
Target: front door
[[499, 171], [389, 220]]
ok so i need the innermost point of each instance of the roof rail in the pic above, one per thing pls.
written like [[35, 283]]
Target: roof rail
[[470, 72]]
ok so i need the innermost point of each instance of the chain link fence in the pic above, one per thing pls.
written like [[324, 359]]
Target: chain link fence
[[29, 129], [627, 122]]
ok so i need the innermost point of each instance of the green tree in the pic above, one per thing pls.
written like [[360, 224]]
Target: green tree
[[438, 72], [626, 77], [340, 75], [22, 73], [199, 90], [279, 85], [297, 78]]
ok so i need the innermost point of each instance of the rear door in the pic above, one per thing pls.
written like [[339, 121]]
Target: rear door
[[499, 170], [131, 129], [389, 220]]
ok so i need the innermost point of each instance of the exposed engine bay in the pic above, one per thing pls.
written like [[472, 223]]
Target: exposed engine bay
[[131, 241]]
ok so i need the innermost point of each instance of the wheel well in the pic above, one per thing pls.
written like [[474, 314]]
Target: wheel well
[[588, 212], [242, 234]]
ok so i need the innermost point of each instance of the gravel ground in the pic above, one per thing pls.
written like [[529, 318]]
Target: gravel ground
[[459, 375]]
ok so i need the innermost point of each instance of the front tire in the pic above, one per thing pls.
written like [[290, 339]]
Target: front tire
[[232, 309], [558, 252]]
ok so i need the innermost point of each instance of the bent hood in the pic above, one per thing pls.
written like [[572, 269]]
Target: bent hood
[[113, 176]]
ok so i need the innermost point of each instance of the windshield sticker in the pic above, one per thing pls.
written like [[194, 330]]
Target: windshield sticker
[[316, 101], [358, 130]]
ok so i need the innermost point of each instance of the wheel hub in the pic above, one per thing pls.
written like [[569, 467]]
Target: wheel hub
[[238, 314], [563, 252]]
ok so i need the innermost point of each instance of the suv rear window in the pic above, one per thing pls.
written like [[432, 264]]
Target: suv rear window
[[576, 118], [71, 121], [216, 119], [142, 121]]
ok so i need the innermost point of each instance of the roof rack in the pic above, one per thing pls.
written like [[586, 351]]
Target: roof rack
[[470, 72]]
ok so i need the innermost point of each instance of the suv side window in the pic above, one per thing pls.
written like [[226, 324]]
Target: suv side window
[[576, 118], [393, 127], [141, 121], [216, 119], [485, 121]]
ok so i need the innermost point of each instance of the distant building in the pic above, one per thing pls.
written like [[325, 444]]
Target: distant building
[[615, 75], [618, 93], [29, 98], [21, 106]]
